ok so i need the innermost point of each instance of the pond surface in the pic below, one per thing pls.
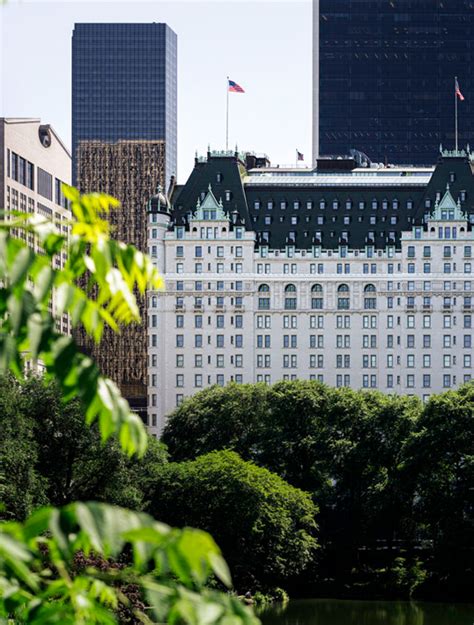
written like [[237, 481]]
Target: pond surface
[[341, 612]]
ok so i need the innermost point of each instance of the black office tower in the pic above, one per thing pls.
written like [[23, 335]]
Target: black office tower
[[386, 77], [124, 86], [124, 143]]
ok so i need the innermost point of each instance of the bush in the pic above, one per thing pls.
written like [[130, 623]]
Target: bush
[[265, 527]]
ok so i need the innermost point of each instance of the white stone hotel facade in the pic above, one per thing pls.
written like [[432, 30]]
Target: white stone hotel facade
[[395, 317]]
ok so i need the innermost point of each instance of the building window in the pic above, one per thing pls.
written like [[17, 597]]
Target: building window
[[290, 297], [45, 183], [343, 297]]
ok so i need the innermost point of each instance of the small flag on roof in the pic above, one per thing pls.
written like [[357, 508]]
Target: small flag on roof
[[299, 155], [458, 90], [234, 87]]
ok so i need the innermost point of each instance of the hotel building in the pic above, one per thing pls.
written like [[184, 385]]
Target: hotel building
[[351, 274]]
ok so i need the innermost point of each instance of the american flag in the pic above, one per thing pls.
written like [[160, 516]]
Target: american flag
[[458, 90], [233, 86]]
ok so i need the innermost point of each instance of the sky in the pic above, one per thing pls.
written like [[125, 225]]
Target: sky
[[263, 45]]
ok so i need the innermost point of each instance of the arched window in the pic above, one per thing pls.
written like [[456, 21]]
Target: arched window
[[264, 297], [316, 297], [370, 301], [343, 301], [290, 297]]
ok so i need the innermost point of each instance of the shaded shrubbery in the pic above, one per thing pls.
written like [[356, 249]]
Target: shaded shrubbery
[[264, 526], [50, 456], [392, 478]]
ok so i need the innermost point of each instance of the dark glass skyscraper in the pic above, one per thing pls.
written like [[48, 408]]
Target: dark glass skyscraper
[[124, 144], [386, 77], [124, 85]]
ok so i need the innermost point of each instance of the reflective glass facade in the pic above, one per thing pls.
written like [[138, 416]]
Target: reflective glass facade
[[387, 71], [124, 85]]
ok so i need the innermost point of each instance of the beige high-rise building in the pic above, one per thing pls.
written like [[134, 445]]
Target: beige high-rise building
[[33, 165]]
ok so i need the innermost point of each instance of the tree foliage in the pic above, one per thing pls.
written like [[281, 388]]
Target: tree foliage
[[392, 478], [111, 269], [62, 459], [170, 567], [21, 487], [439, 468], [343, 446], [40, 581], [265, 527]]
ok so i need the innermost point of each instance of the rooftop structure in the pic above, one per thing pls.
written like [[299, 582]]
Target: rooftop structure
[[337, 203]]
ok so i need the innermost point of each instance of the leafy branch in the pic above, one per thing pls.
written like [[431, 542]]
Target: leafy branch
[[96, 287], [39, 581], [39, 584]]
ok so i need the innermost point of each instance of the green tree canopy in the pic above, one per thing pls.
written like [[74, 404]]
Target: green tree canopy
[[265, 527], [63, 459], [21, 487], [439, 467], [344, 446]]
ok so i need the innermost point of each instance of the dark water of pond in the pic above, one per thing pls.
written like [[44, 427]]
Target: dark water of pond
[[341, 612]]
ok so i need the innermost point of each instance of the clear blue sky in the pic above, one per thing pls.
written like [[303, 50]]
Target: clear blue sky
[[265, 46]]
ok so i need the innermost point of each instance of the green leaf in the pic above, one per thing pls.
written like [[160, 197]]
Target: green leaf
[[22, 262], [220, 569]]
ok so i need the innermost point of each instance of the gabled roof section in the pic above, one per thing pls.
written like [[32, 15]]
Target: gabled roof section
[[210, 200], [222, 171], [448, 209], [210, 208]]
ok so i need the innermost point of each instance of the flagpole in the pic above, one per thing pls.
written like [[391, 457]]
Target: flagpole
[[455, 113], [227, 119]]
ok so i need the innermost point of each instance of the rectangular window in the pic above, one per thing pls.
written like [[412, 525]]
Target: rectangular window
[[45, 183]]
